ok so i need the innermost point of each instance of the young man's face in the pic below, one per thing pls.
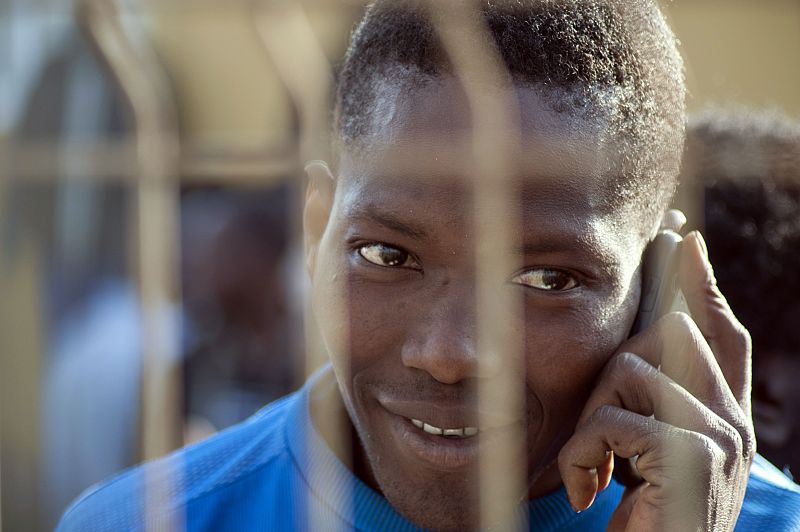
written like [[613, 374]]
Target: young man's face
[[394, 292]]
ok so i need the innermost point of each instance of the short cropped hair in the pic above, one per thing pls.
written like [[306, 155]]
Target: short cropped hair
[[747, 167], [612, 60]]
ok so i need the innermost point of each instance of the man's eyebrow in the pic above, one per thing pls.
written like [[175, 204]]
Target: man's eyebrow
[[388, 220], [584, 249]]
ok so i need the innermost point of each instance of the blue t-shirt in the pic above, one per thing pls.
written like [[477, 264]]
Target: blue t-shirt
[[274, 472]]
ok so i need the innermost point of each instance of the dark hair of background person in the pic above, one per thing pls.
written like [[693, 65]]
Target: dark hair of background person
[[613, 62], [746, 166]]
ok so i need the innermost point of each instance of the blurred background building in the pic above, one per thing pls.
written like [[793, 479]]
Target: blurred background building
[[151, 160]]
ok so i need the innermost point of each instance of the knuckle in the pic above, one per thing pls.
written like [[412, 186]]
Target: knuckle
[[625, 362], [749, 445], [745, 341], [604, 416], [681, 329], [678, 322], [708, 450], [733, 438], [630, 376], [619, 366]]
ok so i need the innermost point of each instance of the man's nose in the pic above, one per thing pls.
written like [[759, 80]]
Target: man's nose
[[443, 342]]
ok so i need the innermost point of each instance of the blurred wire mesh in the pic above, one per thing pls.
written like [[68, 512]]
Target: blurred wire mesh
[[151, 268]]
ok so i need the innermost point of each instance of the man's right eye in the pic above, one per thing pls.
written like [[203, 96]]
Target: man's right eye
[[387, 256]]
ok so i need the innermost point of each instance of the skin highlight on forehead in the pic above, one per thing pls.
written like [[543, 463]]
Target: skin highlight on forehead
[[425, 134]]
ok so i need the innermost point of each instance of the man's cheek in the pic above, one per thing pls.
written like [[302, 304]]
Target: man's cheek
[[565, 353], [381, 314], [560, 375]]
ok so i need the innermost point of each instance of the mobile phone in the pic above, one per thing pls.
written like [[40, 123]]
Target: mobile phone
[[661, 292]]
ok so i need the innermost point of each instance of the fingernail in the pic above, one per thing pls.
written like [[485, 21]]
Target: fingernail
[[578, 509]]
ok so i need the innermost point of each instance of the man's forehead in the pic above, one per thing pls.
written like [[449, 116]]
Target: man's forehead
[[452, 196], [425, 130], [442, 103]]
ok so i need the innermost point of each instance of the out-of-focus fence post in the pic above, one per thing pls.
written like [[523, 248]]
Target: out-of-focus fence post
[[21, 342], [156, 233], [493, 112]]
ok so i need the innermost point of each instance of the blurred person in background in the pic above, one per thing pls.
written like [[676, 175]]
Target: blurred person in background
[[745, 166], [241, 331]]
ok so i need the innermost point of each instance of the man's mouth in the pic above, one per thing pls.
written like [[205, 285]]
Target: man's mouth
[[458, 432], [443, 437]]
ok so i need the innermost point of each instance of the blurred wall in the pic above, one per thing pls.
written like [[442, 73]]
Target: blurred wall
[[740, 51], [230, 96], [736, 51]]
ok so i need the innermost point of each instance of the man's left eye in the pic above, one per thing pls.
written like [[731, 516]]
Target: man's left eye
[[548, 279], [387, 256]]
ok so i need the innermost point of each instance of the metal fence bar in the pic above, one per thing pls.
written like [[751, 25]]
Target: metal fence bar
[[489, 90], [155, 225], [293, 47], [116, 161]]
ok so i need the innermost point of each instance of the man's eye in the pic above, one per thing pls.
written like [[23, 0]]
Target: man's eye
[[387, 256], [547, 279]]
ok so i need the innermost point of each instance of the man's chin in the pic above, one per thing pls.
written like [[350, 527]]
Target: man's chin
[[438, 507]]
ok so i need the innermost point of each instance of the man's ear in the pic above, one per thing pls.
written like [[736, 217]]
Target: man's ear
[[317, 209]]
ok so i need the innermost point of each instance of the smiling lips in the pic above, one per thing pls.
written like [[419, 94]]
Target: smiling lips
[[461, 432], [444, 435]]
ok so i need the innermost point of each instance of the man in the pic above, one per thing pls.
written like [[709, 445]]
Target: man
[[596, 94], [746, 167]]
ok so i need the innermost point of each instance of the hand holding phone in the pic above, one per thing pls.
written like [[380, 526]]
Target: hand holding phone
[[681, 406]]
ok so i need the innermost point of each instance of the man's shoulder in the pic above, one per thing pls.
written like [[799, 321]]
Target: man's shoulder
[[772, 501], [160, 491]]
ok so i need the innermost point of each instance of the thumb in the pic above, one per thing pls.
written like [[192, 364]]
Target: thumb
[[728, 339]]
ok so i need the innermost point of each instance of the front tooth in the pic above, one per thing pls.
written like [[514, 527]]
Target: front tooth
[[430, 429], [470, 431], [453, 432], [417, 423]]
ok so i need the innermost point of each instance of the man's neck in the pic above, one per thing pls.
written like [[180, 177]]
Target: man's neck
[[331, 420]]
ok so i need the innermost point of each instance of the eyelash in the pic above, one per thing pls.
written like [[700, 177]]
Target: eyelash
[[360, 249], [407, 257], [570, 278]]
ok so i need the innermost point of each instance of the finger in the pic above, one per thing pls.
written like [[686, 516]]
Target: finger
[[630, 383], [676, 345], [673, 220], [604, 472], [672, 460], [728, 339]]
